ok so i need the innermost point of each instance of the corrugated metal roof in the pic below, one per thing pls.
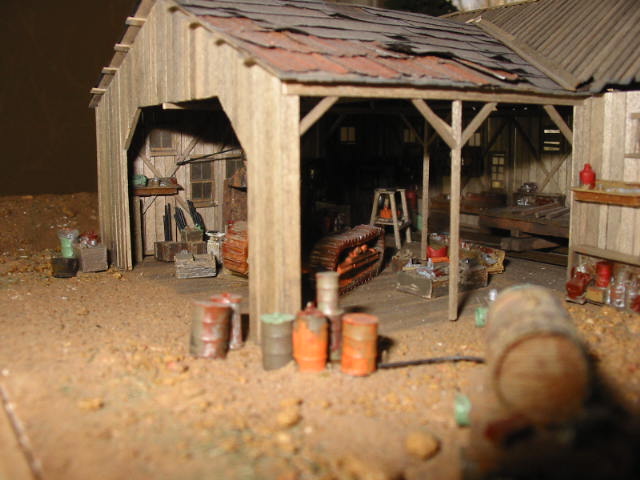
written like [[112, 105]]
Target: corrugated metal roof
[[596, 41], [317, 41]]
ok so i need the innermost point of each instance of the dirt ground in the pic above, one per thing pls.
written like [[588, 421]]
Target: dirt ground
[[97, 371]]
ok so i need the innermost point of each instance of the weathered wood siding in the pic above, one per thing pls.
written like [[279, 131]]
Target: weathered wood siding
[[175, 60], [603, 132]]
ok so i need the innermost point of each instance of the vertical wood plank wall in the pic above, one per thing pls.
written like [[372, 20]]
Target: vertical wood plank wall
[[156, 70], [603, 133]]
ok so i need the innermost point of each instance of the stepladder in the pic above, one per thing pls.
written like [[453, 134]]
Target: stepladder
[[385, 212]]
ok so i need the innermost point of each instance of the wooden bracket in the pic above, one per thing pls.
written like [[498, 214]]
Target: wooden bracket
[[444, 130], [121, 47], [478, 120], [316, 113]]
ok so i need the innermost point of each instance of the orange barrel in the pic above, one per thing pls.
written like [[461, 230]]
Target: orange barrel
[[210, 329], [276, 340], [310, 339], [233, 300], [359, 342]]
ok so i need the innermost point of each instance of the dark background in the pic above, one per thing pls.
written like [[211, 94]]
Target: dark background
[[53, 52]]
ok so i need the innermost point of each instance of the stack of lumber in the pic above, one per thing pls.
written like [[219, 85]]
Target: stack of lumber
[[235, 249], [189, 265]]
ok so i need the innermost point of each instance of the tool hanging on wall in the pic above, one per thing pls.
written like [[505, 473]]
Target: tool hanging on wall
[[198, 221], [166, 220], [181, 222]]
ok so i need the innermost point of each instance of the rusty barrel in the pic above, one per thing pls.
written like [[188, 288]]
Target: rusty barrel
[[210, 329], [310, 340], [233, 300], [327, 300], [359, 343], [537, 365], [276, 342]]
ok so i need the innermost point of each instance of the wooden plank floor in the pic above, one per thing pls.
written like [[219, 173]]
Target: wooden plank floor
[[396, 310]]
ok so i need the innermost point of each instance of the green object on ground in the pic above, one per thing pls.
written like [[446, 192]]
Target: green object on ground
[[481, 316], [462, 409]]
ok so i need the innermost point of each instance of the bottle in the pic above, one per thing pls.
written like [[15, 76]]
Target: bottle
[[617, 291], [587, 177]]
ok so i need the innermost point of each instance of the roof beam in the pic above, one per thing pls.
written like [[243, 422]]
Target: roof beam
[[432, 93], [560, 123], [562, 77], [135, 21], [482, 115], [444, 130], [316, 113]]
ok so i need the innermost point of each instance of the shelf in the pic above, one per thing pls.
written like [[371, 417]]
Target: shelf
[[603, 193], [606, 254], [151, 191]]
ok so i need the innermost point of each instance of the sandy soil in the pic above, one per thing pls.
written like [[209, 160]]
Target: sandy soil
[[98, 372]]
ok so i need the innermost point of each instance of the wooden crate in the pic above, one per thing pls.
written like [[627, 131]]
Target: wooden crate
[[411, 281], [167, 251], [92, 259], [191, 235]]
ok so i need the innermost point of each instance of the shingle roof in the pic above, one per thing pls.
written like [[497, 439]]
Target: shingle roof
[[596, 41], [323, 42]]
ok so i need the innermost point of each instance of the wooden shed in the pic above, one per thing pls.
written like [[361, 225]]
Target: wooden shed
[[272, 69], [594, 47]]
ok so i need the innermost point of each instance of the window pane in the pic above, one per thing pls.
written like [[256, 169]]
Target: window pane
[[196, 190], [206, 190]]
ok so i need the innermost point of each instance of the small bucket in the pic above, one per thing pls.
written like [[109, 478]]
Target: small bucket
[[276, 340], [64, 267], [310, 340], [359, 343], [235, 337], [210, 329], [437, 252]]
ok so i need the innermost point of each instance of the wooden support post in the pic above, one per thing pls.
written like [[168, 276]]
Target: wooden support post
[[454, 208], [316, 113], [426, 162]]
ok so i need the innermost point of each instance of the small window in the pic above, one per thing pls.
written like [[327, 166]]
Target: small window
[[202, 183], [161, 142], [498, 173], [347, 134]]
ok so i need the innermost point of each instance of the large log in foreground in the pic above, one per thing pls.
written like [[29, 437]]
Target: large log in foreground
[[537, 366]]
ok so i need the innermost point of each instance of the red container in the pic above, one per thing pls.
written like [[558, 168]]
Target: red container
[[359, 343], [437, 253], [587, 176], [233, 300], [604, 271], [210, 329]]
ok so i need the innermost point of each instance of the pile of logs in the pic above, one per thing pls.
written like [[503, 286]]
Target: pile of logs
[[356, 254], [235, 249]]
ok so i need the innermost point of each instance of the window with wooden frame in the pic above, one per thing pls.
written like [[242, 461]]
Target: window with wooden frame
[[161, 142], [202, 186], [348, 134], [497, 166]]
